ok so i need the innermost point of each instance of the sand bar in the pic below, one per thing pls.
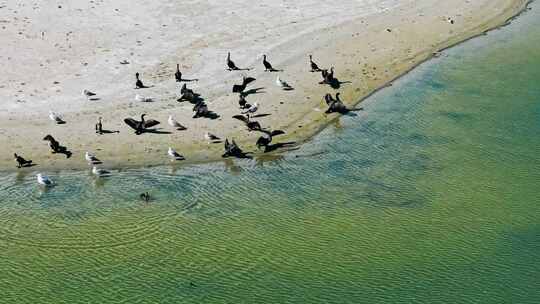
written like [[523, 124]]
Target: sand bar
[[52, 52]]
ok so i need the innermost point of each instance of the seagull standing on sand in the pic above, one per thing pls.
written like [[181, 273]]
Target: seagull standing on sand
[[100, 172], [56, 118], [175, 124], [140, 98], [175, 156], [210, 137], [254, 107], [242, 102], [283, 84], [44, 180], [89, 95], [91, 158]]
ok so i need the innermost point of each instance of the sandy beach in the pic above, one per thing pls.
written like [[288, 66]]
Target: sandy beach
[[51, 53]]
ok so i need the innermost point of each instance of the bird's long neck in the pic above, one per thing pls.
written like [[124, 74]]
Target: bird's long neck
[[229, 56], [178, 67]]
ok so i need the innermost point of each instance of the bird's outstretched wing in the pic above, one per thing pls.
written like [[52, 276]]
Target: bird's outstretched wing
[[150, 123], [241, 118], [177, 155], [131, 122], [277, 132], [248, 80]]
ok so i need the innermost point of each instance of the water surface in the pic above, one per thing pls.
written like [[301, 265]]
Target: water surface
[[429, 196]]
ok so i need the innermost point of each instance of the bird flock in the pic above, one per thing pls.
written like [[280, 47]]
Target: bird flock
[[200, 109]]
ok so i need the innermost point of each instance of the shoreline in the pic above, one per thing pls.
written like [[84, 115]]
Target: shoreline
[[304, 125]]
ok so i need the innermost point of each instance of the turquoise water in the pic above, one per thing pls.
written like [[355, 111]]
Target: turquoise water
[[429, 196]]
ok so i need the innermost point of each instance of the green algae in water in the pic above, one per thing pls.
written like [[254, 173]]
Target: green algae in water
[[429, 196]]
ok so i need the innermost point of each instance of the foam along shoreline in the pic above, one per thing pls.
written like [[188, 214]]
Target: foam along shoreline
[[368, 52]]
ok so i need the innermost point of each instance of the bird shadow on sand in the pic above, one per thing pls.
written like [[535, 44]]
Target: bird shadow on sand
[[239, 155], [189, 80], [288, 89], [144, 87], [260, 115], [336, 83], [67, 153], [253, 91], [274, 147], [28, 165], [108, 132], [211, 115], [348, 112], [156, 131], [94, 98], [196, 98]]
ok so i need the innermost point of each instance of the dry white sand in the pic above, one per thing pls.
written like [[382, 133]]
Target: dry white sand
[[52, 51]]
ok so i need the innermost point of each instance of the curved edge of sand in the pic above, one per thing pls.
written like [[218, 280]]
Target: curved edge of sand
[[306, 123]]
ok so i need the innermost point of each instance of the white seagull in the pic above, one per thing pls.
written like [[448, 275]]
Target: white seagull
[[175, 124], [89, 95], [91, 158], [281, 83], [100, 172], [140, 98], [56, 117], [254, 107], [174, 155], [210, 137], [44, 180]]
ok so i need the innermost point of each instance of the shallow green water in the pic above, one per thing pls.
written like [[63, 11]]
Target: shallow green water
[[431, 195]]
